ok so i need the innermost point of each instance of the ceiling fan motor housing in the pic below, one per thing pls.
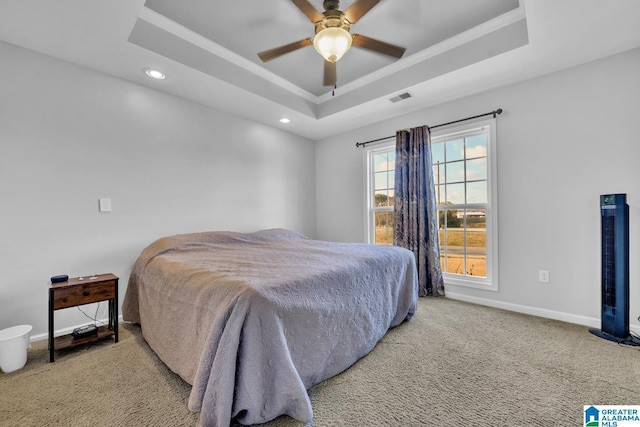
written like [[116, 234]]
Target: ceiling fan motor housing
[[331, 4], [333, 21]]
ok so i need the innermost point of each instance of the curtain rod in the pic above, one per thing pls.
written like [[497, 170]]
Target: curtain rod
[[492, 113]]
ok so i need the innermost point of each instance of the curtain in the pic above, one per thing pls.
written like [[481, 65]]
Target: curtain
[[415, 216]]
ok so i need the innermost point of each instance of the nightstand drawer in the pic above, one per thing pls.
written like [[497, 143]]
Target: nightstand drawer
[[84, 294]]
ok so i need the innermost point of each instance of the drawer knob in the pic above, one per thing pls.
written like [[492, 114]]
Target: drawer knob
[[85, 293]]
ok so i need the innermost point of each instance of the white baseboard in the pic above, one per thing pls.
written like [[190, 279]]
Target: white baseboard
[[535, 311], [590, 322], [68, 330]]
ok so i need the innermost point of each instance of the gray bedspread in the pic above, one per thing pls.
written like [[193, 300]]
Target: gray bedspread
[[254, 320]]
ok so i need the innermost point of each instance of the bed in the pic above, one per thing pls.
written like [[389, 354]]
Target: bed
[[253, 320]]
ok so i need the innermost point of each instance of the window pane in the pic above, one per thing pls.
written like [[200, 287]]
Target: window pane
[[455, 241], [383, 228], [438, 173], [381, 180], [476, 266], [437, 153], [384, 236], [476, 146], [454, 150], [380, 162], [454, 263], [476, 219], [382, 219], [455, 172], [381, 198], [477, 169], [455, 193], [452, 217], [391, 179], [440, 194], [476, 243], [391, 160], [477, 192]]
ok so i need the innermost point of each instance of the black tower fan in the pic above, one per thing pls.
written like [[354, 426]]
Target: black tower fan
[[614, 216]]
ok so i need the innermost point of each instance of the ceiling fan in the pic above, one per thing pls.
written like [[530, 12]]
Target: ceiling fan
[[332, 38]]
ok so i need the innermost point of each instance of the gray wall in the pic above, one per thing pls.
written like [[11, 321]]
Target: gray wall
[[69, 136], [563, 140]]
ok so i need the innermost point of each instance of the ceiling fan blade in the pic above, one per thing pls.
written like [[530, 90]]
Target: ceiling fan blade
[[308, 9], [330, 77], [270, 54], [358, 9], [377, 45]]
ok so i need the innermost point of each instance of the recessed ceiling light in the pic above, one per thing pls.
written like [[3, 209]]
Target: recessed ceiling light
[[285, 120], [155, 74]]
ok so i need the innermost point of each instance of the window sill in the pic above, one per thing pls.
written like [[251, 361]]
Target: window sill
[[469, 282]]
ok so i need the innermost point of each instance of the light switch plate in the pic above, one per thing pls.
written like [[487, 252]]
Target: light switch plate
[[105, 205]]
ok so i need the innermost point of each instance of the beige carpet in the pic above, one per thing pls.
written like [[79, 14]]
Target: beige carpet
[[454, 364]]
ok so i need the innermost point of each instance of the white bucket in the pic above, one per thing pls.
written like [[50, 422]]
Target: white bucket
[[14, 343]]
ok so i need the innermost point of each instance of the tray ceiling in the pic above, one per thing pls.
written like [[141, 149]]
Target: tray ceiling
[[246, 27], [208, 49]]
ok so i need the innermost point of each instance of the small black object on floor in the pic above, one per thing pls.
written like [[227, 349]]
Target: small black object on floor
[[630, 340]]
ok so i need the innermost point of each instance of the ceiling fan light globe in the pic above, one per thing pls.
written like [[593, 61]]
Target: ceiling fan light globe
[[332, 43]]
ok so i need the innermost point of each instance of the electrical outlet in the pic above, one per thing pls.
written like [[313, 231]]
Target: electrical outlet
[[543, 276]]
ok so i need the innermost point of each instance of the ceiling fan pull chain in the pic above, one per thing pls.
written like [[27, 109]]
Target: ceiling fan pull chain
[[333, 92]]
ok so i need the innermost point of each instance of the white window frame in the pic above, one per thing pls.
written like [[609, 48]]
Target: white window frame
[[490, 282]]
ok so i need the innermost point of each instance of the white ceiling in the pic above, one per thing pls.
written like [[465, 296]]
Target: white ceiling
[[208, 50]]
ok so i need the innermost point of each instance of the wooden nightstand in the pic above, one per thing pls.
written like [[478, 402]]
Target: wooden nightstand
[[78, 291]]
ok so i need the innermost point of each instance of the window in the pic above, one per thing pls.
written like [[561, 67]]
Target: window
[[464, 173], [382, 182]]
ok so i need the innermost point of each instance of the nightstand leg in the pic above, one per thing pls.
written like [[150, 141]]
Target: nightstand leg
[[115, 313], [110, 324], [51, 349]]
